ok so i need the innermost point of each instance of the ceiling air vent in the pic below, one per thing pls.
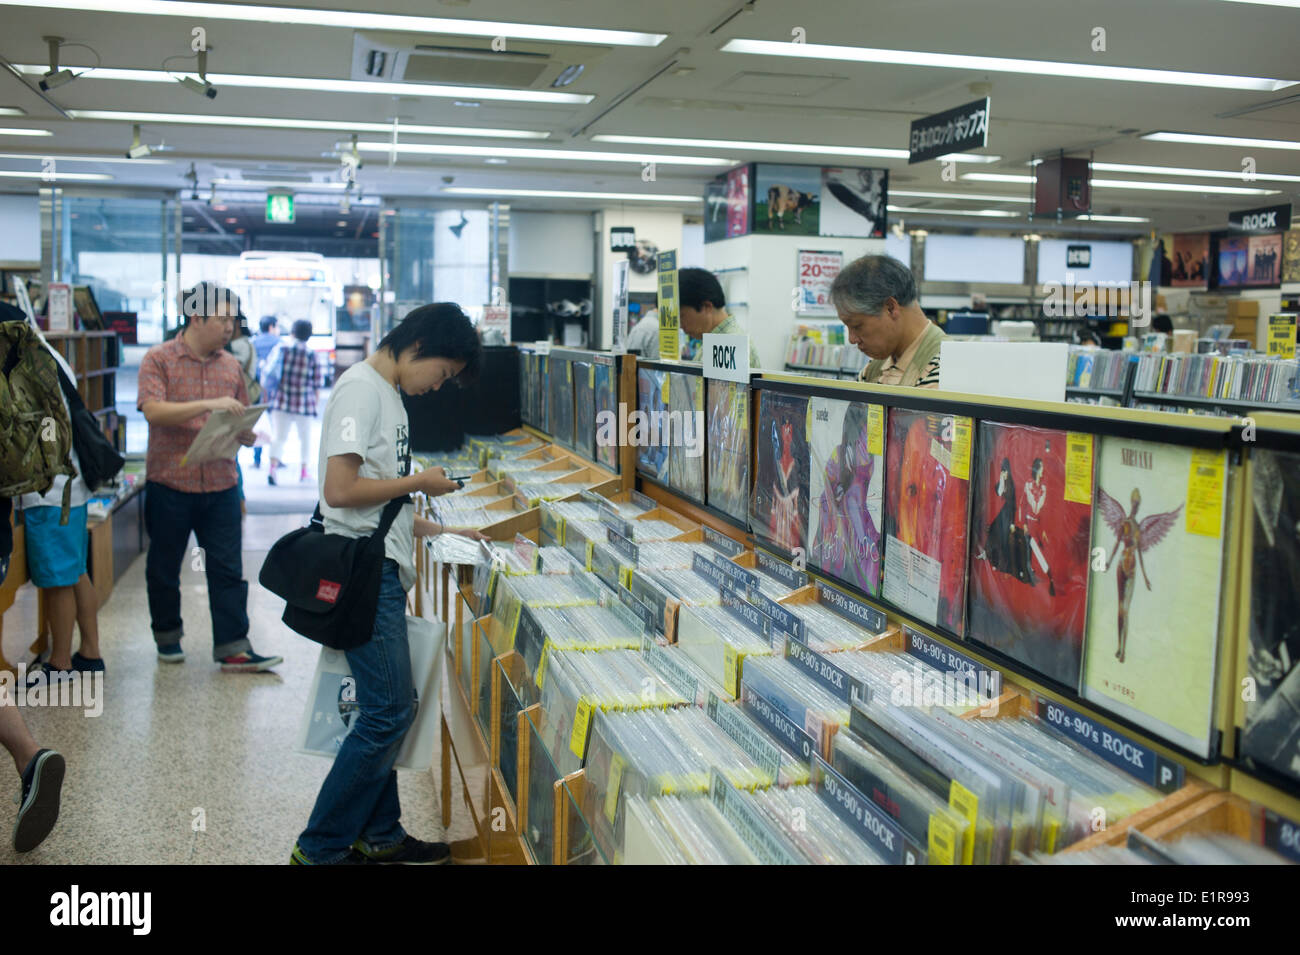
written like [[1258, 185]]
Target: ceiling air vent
[[472, 61]]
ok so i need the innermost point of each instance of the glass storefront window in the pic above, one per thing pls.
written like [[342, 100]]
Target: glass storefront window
[[434, 255]]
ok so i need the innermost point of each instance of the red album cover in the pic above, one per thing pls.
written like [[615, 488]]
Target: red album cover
[[927, 492], [1031, 525]]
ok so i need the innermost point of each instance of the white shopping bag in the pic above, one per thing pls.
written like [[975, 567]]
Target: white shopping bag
[[332, 708]]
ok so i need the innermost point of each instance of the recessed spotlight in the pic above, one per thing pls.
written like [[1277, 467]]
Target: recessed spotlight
[[231, 220], [219, 208], [341, 224], [239, 231], [567, 75], [496, 161]]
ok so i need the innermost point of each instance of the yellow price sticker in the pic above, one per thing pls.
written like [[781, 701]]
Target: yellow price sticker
[[664, 389], [625, 576], [540, 679], [1205, 492], [591, 376], [1078, 467], [581, 724], [730, 670], [568, 371], [960, 462], [1050, 832], [967, 804], [942, 841], [807, 422], [514, 625], [591, 546], [613, 785], [875, 429]]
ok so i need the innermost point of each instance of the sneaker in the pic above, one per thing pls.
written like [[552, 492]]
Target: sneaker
[[352, 858], [87, 665], [410, 851], [248, 662], [41, 672], [38, 803], [270, 477], [171, 653]]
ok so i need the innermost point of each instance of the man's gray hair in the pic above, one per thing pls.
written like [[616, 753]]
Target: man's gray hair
[[863, 285]]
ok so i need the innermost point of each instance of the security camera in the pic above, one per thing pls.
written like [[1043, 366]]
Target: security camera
[[194, 86], [138, 151], [54, 79]]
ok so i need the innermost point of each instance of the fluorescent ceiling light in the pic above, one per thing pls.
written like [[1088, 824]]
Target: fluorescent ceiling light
[[1270, 3], [12, 111], [1201, 139], [999, 64], [267, 122], [1181, 187], [996, 177], [1203, 173], [517, 152], [566, 194], [870, 152], [316, 84], [1134, 184], [972, 196], [78, 176], [986, 213], [5, 131], [1113, 219], [279, 184], [60, 157], [350, 20]]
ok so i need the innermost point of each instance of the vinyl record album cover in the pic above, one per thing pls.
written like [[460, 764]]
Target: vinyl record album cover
[[846, 472], [1272, 733], [780, 501], [686, 449], [728, 447], [560, 406], [584, 403], [1031, 522], [651, 456], [607, 453], [927, 493], [1158, 527]]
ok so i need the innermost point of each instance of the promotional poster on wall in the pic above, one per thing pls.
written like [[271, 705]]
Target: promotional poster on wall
[[787, 199], [1153, 588], [1248, 261], [1186, 260], [854, 202], [1031, 522], [927, 492], [780, 502], [846, 470]]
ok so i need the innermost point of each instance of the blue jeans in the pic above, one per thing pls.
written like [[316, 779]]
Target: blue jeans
[[169, 516], [358, 799]]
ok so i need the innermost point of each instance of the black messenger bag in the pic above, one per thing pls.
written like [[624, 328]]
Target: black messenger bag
[[329, 583]]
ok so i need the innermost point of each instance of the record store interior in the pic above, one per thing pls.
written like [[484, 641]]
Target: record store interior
[[831, 433]]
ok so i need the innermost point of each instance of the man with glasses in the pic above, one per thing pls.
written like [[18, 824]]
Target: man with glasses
[[181, 382]]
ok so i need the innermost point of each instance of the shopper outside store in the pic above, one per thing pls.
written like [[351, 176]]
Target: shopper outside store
[[365, 462], [181, 382], [298, 377], [877, 301]]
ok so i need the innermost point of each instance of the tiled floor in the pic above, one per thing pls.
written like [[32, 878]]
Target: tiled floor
[[176, 740]]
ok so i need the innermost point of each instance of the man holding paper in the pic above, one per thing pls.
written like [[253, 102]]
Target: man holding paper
[[183, 383]]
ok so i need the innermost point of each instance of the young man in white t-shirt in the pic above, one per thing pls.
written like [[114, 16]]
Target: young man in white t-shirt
[[364, 462]]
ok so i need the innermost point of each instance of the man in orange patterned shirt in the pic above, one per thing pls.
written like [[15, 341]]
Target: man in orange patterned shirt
[[181, 382]]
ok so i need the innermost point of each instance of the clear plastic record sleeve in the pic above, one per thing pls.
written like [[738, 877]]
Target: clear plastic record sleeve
[[846, 472], [1272, 733], [728, 441], [779, 509], [686, 448], [1031, 523], [928, 457]]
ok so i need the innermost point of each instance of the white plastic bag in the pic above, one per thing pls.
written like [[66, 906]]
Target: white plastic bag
[[331, 706]]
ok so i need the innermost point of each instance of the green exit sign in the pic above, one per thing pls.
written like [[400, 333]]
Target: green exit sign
[[279, 207]]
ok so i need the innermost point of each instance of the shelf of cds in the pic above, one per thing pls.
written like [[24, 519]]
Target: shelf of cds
[[898, 627]]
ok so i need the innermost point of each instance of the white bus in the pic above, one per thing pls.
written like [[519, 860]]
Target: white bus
[[289, 286]]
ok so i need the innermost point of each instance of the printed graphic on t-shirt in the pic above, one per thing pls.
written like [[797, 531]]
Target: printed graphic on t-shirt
[[403, 451]]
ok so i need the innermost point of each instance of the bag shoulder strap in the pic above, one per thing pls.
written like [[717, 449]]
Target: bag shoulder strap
[[385, 520]]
